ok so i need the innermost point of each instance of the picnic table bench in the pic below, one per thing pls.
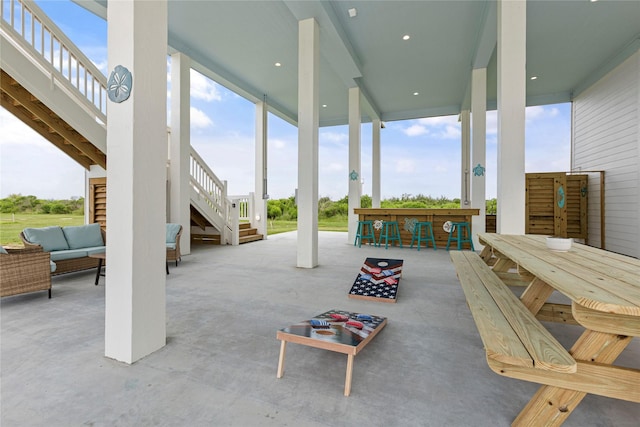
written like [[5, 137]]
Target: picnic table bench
[[509, 331]]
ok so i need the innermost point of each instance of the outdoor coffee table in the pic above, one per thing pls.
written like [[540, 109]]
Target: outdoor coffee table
[[101, 256], [344, 332]]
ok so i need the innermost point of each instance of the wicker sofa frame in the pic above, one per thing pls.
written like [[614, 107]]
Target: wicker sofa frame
[[68, 265], [174, 254], [24, 270]]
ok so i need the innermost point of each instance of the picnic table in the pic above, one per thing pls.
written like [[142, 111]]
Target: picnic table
[[604, 290]]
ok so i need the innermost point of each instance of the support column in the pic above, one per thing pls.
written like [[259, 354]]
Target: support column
[[478, 151], [512, 30], [261, 194], [180, 148], [355, 176], [375, 160], [135, 320], [465, 161], [308, 123]]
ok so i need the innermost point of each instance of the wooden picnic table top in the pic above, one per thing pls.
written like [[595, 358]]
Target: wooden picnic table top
[[592, 278]]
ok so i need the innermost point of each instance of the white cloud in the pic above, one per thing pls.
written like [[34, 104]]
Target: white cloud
[[415, 130], [276, 143], [204, 88], [405, 166], [446, 127], [451, 132], [335, 137], [199, 119], [335, 167]]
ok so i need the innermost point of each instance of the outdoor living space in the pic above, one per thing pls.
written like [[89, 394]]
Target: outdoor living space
[[224, 306]]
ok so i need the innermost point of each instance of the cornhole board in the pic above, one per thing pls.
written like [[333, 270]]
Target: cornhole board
[[378, 280]]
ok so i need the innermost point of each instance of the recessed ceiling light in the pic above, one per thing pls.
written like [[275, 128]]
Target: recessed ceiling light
[[277, 64], [534, 77], [353, 12], [416, 93], [324, 105], [406, 37]]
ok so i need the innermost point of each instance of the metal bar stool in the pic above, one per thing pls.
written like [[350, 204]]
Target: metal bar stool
[[390, 232], [428, 237], [364, 232], [463, 231]]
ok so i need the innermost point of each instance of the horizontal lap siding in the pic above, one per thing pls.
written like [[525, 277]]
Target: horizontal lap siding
[[606, 136]]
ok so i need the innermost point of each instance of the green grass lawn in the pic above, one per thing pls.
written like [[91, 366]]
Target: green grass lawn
[[275, 226], [12, 224]]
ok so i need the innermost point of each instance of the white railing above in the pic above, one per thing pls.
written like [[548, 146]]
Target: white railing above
[[35, 33]]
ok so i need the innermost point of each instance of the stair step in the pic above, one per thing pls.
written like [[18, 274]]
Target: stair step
[[247, 232], [210, 239], [244, 225], [250, 238]]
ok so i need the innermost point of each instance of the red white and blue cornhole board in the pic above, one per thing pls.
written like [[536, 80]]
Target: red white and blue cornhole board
[[378, 280]]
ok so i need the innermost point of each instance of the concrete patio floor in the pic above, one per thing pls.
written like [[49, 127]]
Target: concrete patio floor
[[224, 306]]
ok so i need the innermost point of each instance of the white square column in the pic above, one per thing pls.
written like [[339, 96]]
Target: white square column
[[355, 166], [375, 163], [308, 123], [180, 148], [259, 220], [135, 320], [478, 151], [512, 31]]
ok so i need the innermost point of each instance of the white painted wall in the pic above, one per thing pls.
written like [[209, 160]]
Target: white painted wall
[[606, 136]]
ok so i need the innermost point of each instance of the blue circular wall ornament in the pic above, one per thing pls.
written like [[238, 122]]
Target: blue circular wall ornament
[[478, 170], [119, 84], [353, 176], [561, 197]]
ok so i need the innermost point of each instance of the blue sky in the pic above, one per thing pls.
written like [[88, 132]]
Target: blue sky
[[418, 156]]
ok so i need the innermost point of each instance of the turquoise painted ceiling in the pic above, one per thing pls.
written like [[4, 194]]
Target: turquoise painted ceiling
[[570, 44]]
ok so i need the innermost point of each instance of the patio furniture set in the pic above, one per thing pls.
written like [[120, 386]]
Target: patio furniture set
[[54, 250]]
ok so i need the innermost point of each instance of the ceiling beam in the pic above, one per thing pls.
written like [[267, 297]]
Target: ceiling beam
[[487, 39]]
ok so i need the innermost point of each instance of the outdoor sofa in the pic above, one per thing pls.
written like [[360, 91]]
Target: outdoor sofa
[[68, 246], [24, 270]]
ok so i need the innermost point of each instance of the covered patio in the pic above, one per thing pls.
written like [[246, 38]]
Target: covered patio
[[224, 305]]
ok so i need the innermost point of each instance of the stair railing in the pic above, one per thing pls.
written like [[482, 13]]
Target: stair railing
[[214, 192], [27, 26]]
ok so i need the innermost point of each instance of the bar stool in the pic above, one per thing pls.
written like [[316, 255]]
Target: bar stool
[[364, 232], [417, 234], [390, 232], [463, 232]]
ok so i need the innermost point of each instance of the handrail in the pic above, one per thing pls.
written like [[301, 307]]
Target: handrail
[[45, 42]]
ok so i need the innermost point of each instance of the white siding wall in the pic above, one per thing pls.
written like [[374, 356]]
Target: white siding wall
[[606, 136]]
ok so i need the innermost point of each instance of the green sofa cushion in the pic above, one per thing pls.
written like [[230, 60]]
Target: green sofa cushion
[[3, 250], [53, 266], [68, 254], [83, 236], [50, 238], [172, 232]]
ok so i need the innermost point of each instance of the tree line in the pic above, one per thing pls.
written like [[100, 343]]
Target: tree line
[[17, 203], [283, 209], [286, 209]]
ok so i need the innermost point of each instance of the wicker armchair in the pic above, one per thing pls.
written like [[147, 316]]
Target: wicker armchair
[[23, 271], [173, 254]]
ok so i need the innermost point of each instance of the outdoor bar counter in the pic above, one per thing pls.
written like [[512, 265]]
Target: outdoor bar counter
[[407, 217]]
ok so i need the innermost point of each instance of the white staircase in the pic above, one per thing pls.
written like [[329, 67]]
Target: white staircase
[[54, 88]]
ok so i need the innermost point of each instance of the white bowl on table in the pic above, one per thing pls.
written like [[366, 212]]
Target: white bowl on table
[[559, 244]]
